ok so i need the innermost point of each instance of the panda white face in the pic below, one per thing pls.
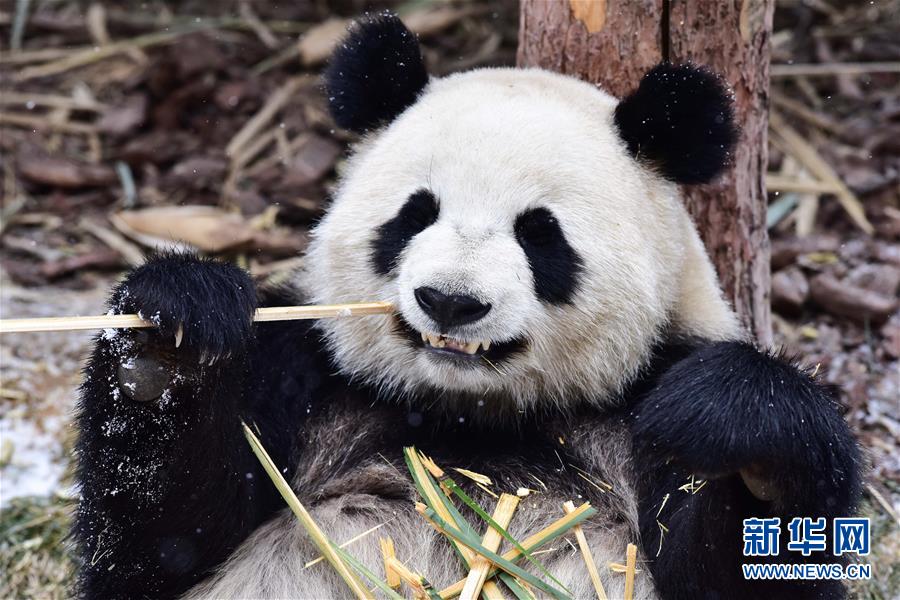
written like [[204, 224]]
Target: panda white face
[[528, 254], [531, 258]]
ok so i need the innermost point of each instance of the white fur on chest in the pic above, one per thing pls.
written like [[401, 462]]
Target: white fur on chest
[[271, 563], [348, 501]]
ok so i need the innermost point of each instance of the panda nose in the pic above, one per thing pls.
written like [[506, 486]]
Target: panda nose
[[450, 310]]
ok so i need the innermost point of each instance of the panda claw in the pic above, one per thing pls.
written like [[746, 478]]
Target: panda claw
[[179, 334]]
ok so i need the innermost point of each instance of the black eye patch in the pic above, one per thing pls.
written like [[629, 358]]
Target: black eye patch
[[419, 213], [554, 263]]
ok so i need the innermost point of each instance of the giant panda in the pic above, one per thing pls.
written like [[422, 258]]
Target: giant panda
[[557, 323]]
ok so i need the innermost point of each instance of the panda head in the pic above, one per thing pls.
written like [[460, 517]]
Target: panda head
[[527, 225]]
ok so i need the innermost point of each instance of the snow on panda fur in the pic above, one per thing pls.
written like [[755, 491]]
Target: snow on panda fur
[[520, 208]]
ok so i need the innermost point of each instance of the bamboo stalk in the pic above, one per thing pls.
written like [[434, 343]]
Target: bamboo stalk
[[822, 69], [355, 538], [416, 582], [275, 313], [480, 566], [490, 590], [630, 565], [569, 507], [312, 529], [365, 572], [29, 56], [783, 183], [419, 467], [276, 101], [530, 543], [800, 110], [810, 158], [474, 544], [51, 100], [387, 552], [91, 54], [41, 122]]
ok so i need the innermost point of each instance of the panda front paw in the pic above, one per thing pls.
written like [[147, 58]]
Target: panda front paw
[[202, 308], [728, 408]]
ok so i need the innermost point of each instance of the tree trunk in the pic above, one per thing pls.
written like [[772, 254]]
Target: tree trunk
[[614, 42]]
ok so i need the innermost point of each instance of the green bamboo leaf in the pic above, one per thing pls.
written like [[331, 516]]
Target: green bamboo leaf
[[361, 568], [779, 209], [433, 497], [410, 455], [431, 482], [546, 535], [312, 529], [518, 590], [453, 487], [475, 544]]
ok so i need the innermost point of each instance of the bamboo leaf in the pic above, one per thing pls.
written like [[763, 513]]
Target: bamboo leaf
[[431, 494], [438, 502], [324, 545], [533, 542], [499, 529], [376, 581], [474, 544], [779, 209], [518, 590]]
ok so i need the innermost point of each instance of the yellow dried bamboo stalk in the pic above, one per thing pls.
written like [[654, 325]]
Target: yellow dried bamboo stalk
[[387, 551], [480, 566], [784, 183], [530, 543], [490, 589], [275, 102], [92, 54], [630, 565], [275, 313], [420, 464], [806, 154], [569, 507], [416, 582], [355, 538], [349, 576]]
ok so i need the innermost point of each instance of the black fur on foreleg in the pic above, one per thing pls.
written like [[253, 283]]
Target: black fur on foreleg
[[168, 485], [202, 305], [728, 407], [730, 433]]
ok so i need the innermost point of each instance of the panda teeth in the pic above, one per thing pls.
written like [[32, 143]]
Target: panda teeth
[[435, 341], [439, 341], [471, 347]]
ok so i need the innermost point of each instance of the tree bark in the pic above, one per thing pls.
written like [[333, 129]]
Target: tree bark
[[614, 42]]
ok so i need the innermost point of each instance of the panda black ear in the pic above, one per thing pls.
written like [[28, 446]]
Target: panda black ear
[[375, 74], [681, 121]]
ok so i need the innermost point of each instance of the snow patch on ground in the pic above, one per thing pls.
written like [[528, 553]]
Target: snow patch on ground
[[37, 464], [39, 377]]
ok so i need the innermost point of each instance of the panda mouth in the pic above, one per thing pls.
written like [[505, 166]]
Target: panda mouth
[[445, 347], [449, 344]]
